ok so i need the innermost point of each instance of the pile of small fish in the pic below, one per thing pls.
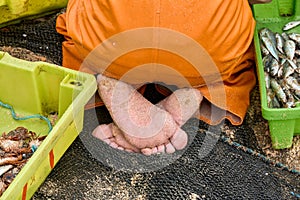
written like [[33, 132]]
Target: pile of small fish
[[16, 147], [281, 60]]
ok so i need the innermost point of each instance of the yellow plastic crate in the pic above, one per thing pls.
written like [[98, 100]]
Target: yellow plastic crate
[[12, 11], [42, 88]]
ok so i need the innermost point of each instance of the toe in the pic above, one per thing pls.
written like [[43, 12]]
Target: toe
[[161, 149], [120, 140], [114, 145], [103, 132], [154, 150], [170, 148], [150, 151], [107, 141], [179, 140], [146, 151]]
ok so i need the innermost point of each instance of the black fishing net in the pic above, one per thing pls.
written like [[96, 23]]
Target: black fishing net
[[91, 169], [38, 36]]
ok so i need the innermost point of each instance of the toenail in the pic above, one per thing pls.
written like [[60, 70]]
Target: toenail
[[107, 141], [146, 151], [114, 145], [154, 150], [170, 148]]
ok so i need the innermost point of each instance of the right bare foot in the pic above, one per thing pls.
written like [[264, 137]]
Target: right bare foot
[[182, 104]]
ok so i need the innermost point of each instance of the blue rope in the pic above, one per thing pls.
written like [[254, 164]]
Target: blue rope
[[264, 158], [27, 117], [295, 195], [252, 152]]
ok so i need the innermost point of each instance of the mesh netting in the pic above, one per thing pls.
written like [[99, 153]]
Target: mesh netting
[[37, 35], [227, 172]]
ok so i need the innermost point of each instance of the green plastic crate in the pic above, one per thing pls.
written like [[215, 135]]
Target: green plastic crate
[[12, 11], [42, 88], [284, 123]]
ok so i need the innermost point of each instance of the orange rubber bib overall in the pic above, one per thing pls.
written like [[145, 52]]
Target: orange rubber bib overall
[[163, 40]]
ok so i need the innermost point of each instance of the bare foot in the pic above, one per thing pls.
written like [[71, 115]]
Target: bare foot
[[144, 124]]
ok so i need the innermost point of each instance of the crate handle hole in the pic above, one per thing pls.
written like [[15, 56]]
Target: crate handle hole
[[285, 15], [76, 83], [286, 7]]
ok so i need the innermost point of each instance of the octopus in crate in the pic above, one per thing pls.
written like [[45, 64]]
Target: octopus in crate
[[281, 61], [16, 147]]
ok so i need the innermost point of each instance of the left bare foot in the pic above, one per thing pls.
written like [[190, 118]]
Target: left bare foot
[[182, 104]]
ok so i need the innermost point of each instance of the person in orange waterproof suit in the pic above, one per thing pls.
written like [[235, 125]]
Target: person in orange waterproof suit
[[208, 43]]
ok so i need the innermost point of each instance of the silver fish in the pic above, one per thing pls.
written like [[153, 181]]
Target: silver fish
[[262, 32], [295, 37], [270, 97], [264, 50], [279, 42], [270, 46], [292, 64], [267, 80], [266, 62], [274, 67], [285, 36], [296, 77], [272, 100], [275, 103], [297, 99], [291, 25], [297, 93], [265, 32], [284, 85], [293, 83], [280, 71], [287, 71], [298, 68], [289, 48], [283, 60], [278, 90], [290, 103]]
